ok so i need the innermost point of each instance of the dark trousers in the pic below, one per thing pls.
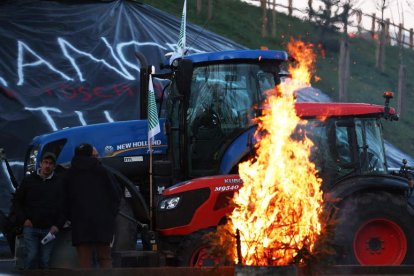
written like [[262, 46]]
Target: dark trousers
[[37, 254], [103, 251]]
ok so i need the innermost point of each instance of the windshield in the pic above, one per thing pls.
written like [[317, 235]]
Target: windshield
[[223, 100], [229, 91], [370, 145], [345, 147]]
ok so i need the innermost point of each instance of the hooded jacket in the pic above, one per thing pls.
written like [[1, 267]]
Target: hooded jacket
[[91, 201]]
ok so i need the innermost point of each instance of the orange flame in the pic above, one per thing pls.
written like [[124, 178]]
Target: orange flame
[[277, 209], [305, 57]]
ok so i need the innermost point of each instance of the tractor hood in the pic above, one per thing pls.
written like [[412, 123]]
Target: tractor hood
[[115, 139]]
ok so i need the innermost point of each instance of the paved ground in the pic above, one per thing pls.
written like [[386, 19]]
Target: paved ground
[[7, 267], [4, 248], [6, 261], [224, 271]]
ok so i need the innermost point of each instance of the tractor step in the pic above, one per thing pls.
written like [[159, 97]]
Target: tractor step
[[369, 270], [135, 258]]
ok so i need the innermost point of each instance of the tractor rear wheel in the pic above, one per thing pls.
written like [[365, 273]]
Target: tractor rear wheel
[[375, 229]]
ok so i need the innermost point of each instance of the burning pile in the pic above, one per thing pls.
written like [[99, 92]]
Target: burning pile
[[277, 210]]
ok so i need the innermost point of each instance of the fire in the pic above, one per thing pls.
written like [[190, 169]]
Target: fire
[[305, 57], [277, 209]]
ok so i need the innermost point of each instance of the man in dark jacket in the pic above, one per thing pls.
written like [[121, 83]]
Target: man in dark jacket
[[39, 209], [91, 203]]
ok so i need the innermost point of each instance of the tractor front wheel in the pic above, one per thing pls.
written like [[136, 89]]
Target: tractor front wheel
[[195, 251]]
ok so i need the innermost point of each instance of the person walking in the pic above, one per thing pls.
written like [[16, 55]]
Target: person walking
[[92, 200], [38, 203]]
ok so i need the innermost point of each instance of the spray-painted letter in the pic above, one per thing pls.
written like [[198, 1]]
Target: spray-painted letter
[[20, 63], [45, 111]]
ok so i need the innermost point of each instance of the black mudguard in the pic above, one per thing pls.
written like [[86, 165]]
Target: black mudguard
[[351, 185]]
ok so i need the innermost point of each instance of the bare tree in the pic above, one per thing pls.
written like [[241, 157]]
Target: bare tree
[[310, 10], [210, 9], [199, 6], [274, 19], [345, 49], [381, 6], [345, 14], [290, 7], [358, 14], [331, 13], [343, 69], [264, 17], [402, 72], [327, 14]]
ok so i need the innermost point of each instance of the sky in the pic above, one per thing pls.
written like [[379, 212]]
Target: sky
[[368, 7], [398, 11]]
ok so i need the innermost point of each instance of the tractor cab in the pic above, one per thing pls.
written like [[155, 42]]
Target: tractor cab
[[347, 138], [212, 100]]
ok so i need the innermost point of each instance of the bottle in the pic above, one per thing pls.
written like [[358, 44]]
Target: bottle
[[49, 237]]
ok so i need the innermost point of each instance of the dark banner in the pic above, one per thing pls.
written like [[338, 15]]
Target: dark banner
[[65, 64]]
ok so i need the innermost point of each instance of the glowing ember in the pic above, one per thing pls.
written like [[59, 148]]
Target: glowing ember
[[277, 209]]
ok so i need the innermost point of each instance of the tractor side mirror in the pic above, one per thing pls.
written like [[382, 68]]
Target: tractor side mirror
[[184, 75]]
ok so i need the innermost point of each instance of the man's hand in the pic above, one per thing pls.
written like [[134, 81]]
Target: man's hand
[[54, 229], [27, 223]]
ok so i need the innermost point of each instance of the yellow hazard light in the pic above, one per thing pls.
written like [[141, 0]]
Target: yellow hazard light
[[388, 94]]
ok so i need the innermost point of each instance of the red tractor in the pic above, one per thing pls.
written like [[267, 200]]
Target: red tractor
[[375, 213]]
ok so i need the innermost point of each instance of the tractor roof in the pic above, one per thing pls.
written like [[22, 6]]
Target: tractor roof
[[306, 109], [239, 55]]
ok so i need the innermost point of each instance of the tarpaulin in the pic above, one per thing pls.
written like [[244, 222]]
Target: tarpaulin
[[66, 64], [71, 63]]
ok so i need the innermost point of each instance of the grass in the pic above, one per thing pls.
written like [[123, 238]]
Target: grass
[[242, 23]]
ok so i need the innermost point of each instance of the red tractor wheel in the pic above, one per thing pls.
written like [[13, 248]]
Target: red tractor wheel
[[200, 257], [374, 229], [194, 251], [380, 242]]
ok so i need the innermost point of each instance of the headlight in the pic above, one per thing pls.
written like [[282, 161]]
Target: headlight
[[169, 203], [31, 160]]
